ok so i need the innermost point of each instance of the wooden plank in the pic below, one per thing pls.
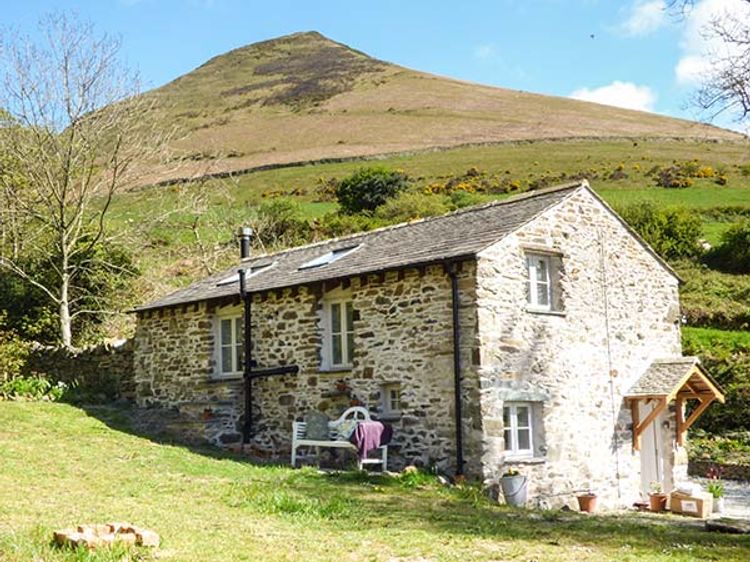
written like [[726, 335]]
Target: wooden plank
[[634, 416], [639, 428], [679, 415], [704, 403], [690, 395]]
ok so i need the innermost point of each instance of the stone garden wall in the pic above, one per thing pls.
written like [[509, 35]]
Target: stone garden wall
[[403, 334], [100, 373], [560, 361], [727, 471]]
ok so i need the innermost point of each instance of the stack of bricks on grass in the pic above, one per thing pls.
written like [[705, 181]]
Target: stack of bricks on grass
[[95, 536]]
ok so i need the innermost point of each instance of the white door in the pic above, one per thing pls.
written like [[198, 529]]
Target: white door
[[652, 449]]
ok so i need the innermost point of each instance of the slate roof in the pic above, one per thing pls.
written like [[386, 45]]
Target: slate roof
[[461, 234], [664, 376]]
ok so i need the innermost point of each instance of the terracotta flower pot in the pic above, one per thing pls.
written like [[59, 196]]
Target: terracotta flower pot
[[657, 502], [587, 503]]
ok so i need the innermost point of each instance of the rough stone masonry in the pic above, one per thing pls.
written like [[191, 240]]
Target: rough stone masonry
[[618, 310]]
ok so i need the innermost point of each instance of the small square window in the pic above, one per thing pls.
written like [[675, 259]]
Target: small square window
[[391, 399], [518, 429]]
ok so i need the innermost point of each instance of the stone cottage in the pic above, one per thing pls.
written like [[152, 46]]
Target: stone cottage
[[538, 333]]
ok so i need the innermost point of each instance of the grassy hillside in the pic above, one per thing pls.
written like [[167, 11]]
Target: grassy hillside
[[169, 251], [304, 97], [61, 466]]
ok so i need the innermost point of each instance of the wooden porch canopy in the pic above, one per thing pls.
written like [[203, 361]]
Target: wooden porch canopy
[[680, 379]]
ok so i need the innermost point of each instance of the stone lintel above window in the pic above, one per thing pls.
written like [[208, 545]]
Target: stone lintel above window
[[544, 250]]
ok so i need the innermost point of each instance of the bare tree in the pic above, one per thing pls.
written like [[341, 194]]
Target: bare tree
[[76, 137], [726, 86]]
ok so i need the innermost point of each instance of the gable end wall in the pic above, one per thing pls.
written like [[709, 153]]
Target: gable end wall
[[563, 360]]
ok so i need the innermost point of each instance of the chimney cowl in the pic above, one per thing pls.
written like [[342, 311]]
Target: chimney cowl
[[245, 235]]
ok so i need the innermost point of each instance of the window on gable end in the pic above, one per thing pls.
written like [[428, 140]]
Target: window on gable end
[[543, 291], [519, 430]]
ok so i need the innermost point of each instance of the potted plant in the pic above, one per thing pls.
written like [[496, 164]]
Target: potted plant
[[515, 487], [587, 502], [716, 489], [657, 499]]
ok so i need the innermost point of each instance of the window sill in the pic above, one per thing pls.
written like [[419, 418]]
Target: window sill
[[332, 370], [390, 416], [544, 311], [525, 460], [225, 378]]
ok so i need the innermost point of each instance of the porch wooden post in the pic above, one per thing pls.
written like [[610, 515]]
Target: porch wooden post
[[635, 417], [680, 415]]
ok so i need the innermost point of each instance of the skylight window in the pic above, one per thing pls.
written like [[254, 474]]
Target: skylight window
[[249, 272], [330, 257]]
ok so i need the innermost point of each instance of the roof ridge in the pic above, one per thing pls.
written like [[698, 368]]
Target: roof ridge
[[679, 359], [472, 209]]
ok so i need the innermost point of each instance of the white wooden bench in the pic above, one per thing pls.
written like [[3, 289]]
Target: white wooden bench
[[299, 432]]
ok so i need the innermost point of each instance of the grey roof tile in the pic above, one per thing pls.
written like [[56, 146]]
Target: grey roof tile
[[457, 235], [662, 376]]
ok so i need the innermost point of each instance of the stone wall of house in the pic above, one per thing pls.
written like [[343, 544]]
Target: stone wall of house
[[99, 373], [403, 334], [620, 311]]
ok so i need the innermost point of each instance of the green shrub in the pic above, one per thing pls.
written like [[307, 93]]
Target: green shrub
[[368, 188], [13, 354], [412, 205], [726, 355], [733, 254], [33, 387], [333, 225], [673, 233], [461, 199], [280, 223], [732, 447]]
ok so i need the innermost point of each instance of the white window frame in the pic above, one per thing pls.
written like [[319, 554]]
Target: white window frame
[[512, 449], [251, 271], [237, 326], [389, 408], [347, 351], [532, 298], [329, 257]]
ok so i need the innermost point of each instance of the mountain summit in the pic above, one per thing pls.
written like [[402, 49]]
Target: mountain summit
[[305, 97]]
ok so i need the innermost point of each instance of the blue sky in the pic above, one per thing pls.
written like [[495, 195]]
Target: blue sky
[[627, 53]]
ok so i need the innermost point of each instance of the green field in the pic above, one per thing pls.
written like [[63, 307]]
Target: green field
[[62, 466]]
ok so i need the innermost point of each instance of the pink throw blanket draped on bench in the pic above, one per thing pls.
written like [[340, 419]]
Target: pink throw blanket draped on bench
[[369, 435]]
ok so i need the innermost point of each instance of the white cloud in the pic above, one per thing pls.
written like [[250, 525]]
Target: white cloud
[[701, 48], [619, 94], [485, 51], [644, 17]]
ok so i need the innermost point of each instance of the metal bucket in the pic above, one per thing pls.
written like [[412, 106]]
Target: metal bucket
[[515, 489]]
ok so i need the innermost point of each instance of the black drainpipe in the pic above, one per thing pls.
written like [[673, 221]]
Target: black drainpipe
[[247, 367], [245, 236], [453, 273]]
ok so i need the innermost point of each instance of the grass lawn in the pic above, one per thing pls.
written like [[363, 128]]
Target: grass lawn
[[60, 466]]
